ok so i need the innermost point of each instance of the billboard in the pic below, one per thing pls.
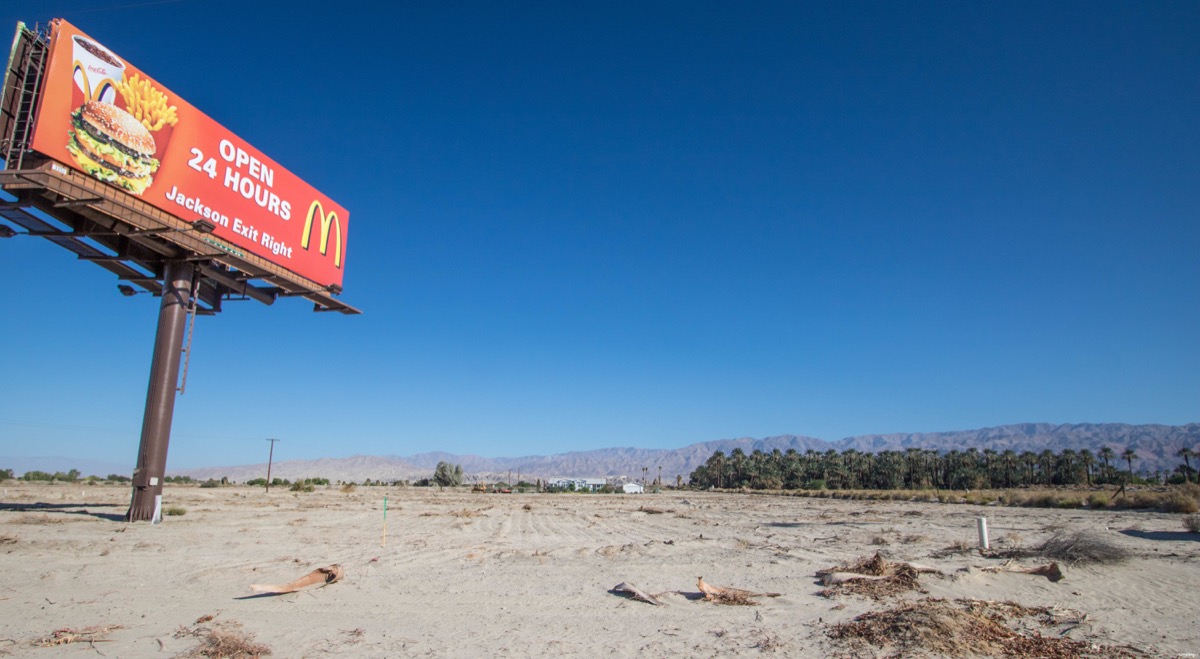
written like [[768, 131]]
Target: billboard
[[108, 119]]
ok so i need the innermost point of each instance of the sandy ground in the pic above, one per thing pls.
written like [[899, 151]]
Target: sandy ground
[[470, 574]]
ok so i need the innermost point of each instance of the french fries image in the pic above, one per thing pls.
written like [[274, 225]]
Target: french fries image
[[146, 103]]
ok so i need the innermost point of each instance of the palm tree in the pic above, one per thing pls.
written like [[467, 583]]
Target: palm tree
[[1066, 467], [1186, 453], [1129, 455], [1046, 459], [1107, 456], [1010, 456], [989, 465], [1087, 459]]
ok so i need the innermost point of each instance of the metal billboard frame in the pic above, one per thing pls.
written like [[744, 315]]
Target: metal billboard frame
[[192, 270]]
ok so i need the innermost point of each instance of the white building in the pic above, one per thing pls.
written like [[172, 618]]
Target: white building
[[633, 488], [578, 484]]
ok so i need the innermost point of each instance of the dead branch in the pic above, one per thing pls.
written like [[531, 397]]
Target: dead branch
[[627, 589], [322, 575]]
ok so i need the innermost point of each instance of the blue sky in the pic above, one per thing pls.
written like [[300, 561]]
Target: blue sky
[[652, 224]]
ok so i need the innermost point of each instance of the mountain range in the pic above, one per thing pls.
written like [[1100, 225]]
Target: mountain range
[[1157, 448]]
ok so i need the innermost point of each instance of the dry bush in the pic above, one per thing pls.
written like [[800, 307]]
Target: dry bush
[[349, 487], [1081, 547], [1138, 499], [175, 511], [224, 641], [1192, 523], [960, 628], [1179, 501], [8, 539], [1099, 500]]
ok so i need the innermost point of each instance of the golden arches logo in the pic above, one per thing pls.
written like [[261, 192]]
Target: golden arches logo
[[327, 222]]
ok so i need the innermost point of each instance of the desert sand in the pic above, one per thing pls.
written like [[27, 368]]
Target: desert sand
[[467, 574]]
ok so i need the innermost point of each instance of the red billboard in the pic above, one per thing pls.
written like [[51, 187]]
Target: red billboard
[[104, 117]]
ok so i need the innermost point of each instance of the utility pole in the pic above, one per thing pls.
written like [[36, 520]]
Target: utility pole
[[659, 483], [270, 459]]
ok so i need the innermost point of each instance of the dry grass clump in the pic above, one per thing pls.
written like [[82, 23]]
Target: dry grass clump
[[1099, 500], [1081, 547], [175, 511], [1179, 501], [960, 628], [349, 487], [223, 641], [1192, 523]]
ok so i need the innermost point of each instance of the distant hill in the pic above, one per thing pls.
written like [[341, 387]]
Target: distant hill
[[1156, 446]]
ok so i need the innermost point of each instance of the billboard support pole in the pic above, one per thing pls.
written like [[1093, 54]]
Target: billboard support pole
[[160, 396]]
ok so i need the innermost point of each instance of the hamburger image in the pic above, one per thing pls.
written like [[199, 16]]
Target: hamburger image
[[113, 146]]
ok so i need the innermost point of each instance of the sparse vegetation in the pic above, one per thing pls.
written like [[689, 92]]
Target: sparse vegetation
[[944, 628], [223, 641], [1082, 547], [1192, 523], [61, 477], [175, 511]]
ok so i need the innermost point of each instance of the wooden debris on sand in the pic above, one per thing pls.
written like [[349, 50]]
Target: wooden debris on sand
[[1050, 570], [322, 576], [733, 596], [626, 589], [67, 635], [874, 577], [964, 628]]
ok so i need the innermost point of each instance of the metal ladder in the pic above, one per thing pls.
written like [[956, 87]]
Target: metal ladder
[[28, 88]]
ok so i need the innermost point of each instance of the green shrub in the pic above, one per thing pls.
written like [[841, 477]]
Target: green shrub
[[175, 511], [302, 486], [210, 483]]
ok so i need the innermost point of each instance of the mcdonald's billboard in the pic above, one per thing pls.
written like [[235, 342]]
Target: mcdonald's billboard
[[108, 119]]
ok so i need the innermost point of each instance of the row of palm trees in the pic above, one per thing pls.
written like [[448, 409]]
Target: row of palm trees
[[916, 468]]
